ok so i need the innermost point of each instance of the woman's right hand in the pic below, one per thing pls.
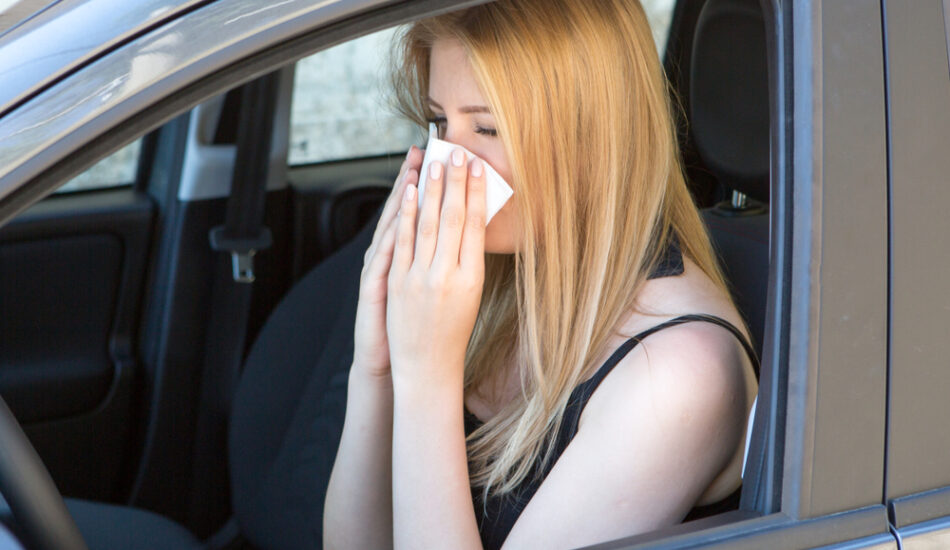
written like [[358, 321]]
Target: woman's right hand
[[370, 344]]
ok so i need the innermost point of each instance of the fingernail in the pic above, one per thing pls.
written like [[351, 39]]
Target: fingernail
[[477, 168], [435, 170], [458, 157], [410, 193]]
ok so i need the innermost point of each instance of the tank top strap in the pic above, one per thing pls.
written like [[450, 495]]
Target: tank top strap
[[583, 392]]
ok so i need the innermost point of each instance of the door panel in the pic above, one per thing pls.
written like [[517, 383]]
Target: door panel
[[56, 360], [838, 318], [72, 269], [918, 453]]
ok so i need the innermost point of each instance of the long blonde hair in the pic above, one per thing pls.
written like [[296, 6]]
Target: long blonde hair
[[582, 107]]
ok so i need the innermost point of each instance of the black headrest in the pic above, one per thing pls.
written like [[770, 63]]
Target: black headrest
[[729, 95]]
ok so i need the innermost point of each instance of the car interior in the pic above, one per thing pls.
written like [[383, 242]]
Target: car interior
[[172, 408]]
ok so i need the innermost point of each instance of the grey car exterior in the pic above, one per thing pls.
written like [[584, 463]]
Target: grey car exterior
[[850, 448]]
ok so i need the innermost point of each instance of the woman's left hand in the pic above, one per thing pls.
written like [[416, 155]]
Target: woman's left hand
[[437, 274]]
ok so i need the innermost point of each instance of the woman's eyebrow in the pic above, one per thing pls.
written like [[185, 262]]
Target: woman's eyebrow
[[468, 109]]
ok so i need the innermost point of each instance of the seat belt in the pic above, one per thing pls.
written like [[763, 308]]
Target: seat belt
[[242, 235]]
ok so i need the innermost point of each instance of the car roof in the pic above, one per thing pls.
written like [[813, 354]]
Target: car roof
[[35, 54], [15, 12], [155, 62]]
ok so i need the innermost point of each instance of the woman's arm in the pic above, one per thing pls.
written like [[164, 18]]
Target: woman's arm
[[431, 492], [435, 287], [358, 512]]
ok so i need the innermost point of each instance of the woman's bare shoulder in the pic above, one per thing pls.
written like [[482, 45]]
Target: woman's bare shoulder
[[696, 368], [690, 354], [694, 379], [666, 298]]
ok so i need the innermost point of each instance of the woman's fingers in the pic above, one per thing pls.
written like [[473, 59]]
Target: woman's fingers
[[405, 233], [453, 213], [386, 219], [408, 173], [428, 230], [380, 262], [412, 163], [472, 253], [392, 201]]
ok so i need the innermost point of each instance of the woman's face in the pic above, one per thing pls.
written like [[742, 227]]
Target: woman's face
[[463, 118]]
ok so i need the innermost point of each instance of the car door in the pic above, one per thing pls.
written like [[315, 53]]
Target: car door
[[917, 486], [73, 269]]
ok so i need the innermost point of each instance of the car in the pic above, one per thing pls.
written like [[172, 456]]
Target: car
[[157, 371]]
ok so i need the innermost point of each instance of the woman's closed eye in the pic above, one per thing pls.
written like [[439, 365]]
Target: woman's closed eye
[[490, 132], [441, 124]]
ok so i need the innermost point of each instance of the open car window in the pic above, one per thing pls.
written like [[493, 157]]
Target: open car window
[[341, 108]]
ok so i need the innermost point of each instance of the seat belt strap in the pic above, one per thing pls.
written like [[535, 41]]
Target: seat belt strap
[[242, 235]]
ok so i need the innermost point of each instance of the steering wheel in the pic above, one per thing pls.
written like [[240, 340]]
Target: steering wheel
[[38, 508]]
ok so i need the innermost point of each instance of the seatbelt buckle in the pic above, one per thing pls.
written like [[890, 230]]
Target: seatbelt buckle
[[242, 266], [242, 251]]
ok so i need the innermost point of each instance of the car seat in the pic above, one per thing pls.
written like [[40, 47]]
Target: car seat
[[729, 104]]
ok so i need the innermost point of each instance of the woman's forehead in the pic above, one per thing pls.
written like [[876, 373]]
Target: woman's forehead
[[452, 82]]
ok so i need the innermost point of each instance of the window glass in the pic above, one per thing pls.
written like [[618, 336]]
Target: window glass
[[659, 12], [341, 96], [341, 107], [115, 170]]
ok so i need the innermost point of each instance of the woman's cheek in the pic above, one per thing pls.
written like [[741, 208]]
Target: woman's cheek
[[501, 233]]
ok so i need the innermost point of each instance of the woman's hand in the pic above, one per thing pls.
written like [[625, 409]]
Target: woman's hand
[[437, 273], [358, 512], [370, 345]]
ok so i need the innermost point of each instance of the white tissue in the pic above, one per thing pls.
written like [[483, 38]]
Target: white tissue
[[497, 190]]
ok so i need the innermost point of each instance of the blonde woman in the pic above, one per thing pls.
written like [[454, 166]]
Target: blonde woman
[[572, 372]]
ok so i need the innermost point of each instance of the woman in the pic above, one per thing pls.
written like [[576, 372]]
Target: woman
[[496, 395]]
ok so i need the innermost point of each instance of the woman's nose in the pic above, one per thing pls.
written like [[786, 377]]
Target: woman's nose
[[455, 137], [449, 135]]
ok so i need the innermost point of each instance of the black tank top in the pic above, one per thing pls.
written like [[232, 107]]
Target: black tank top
[[497, 516]]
